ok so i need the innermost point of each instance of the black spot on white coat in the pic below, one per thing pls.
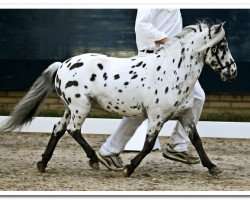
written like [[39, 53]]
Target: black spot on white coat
[[166, 90], [180, 61], [77, 95], [76, 65], [117, 76], [100, 66], [105, 77], [93, 76], [71, 83], [139, 64], [133, 77]]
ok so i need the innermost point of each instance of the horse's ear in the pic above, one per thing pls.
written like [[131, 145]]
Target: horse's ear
[[218, 28], [217, 34]]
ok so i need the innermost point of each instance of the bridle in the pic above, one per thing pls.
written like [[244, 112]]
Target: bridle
[[214, 52]]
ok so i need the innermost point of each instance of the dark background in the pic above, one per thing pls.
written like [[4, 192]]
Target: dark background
[[31, 39]]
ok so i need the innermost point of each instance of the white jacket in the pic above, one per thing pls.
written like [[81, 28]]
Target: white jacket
[[155, 24]]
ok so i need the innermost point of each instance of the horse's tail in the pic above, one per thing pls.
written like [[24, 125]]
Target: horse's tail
[[28, 107]]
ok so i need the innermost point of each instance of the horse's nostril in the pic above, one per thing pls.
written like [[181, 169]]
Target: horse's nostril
[[234, 78]]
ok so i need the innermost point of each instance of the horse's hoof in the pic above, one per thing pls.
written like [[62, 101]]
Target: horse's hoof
[[41, 167], [126, 171], [94, 165], [215, 170]]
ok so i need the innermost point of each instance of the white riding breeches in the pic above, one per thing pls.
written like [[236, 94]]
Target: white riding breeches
[[179, 140]]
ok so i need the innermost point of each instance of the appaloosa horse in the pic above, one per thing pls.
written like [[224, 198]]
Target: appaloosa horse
[[158, 87]]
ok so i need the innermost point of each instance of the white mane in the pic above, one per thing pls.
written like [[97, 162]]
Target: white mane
[[193, 30], [187, 32]]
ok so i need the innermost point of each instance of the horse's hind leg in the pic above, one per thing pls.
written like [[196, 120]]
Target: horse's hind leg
[[58, 131], [189, 126], [78, 116]]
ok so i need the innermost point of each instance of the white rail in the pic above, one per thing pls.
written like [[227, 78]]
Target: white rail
[[108, 126]]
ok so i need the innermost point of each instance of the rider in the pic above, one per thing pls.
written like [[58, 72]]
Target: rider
[[153, 28]]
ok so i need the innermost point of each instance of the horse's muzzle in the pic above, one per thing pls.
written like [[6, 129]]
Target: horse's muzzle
[[229, 77]]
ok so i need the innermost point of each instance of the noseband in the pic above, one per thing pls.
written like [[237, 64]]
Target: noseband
[[214, 52]]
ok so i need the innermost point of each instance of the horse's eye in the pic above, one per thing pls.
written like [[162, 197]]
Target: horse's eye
[[214, 50]]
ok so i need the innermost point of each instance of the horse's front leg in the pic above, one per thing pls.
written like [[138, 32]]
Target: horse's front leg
[[154, 127], [187, 121]]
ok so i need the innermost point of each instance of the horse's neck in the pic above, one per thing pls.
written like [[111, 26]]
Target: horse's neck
[[187, 47], [192, 63], [192, 43]]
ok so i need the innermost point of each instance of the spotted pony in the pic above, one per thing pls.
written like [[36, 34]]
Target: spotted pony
[[158, 87]]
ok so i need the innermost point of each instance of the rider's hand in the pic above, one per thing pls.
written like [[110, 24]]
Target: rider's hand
[[162, 41]]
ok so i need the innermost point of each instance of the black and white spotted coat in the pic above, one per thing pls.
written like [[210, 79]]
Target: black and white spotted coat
[[157, 86]]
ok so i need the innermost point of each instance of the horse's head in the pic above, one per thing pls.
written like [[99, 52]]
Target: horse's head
[[217, 53]]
